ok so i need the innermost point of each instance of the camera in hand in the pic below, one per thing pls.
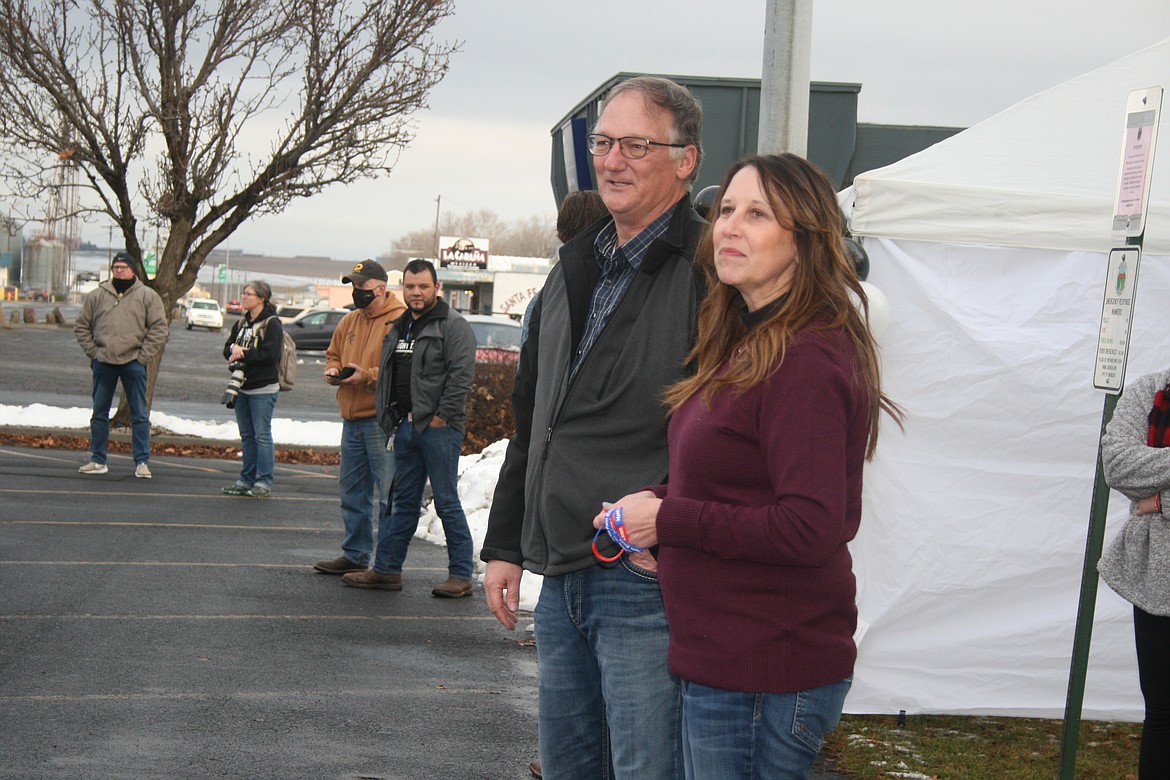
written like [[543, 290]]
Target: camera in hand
[[235, 382]]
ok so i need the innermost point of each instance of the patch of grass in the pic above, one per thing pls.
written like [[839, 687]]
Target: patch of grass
[[938, 747]]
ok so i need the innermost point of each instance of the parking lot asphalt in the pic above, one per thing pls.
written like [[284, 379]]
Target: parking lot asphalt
[[157, 629]]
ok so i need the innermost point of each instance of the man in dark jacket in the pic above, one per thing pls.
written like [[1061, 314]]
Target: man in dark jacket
[[122, 326], [428, 362], [614, 325]]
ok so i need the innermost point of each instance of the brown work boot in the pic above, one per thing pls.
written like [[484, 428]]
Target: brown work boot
[[372, 579], [340, 565], [452, 588]]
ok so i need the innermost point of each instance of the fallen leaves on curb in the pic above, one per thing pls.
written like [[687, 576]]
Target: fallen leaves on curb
[[192, 450]]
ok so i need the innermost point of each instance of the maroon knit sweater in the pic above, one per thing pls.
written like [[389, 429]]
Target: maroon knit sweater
[[764, 494]]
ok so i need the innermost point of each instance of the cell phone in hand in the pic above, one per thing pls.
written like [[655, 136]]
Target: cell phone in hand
[[346, 372]]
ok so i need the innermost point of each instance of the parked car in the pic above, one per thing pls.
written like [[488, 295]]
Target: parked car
[[204, 313], [497, 338], [313, 329], [288, 313], [36, 294], [234, 307]]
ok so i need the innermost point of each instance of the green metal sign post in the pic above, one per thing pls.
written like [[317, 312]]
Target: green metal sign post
[[1083, 634], [1143, 109]]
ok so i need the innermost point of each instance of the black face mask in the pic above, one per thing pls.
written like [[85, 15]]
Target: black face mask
[[122, 285], [363, 298]]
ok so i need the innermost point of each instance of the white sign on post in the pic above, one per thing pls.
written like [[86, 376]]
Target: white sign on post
[[1116, 318], [1142, 111]]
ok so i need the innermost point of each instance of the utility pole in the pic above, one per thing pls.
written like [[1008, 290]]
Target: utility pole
[[784, 80], [438, 200]]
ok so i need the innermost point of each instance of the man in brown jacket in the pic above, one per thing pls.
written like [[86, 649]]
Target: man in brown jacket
[[351, 365], [122, 326]]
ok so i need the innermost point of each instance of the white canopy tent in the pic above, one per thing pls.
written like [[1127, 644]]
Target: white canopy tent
[[991, 248]]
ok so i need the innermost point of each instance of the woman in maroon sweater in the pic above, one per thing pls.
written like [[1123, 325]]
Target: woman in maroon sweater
[[767, 444]]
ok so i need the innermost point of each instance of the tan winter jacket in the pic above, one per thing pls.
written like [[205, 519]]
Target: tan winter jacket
[[358, 339], [118, 329]]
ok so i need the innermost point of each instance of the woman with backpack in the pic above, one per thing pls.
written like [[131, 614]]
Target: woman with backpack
[[253, 349]]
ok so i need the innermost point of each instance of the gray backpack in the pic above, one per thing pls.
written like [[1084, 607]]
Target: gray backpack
[[286, 369]]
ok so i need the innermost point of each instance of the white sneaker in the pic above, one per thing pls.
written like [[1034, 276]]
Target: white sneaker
[[142, 471], [93, 467]]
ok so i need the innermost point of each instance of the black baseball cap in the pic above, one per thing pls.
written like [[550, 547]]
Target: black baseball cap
[[363, 272]]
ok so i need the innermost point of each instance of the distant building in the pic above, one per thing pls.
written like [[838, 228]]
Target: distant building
[[504, 286]]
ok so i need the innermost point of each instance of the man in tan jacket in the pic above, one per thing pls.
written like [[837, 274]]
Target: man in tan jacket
[[122, 326], [351, 365]]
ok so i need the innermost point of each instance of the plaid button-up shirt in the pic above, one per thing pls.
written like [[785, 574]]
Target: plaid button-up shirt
[[619, 265]]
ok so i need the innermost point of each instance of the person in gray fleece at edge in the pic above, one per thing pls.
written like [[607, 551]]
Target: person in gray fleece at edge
[[1135, 453]]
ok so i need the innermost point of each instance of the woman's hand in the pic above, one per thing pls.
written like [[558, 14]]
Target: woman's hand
[[237, 353], [639, 514], [1150, 505]]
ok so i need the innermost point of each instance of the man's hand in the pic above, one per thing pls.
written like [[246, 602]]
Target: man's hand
[[335, 377], [501, 585], [438, 422], [355, 377]]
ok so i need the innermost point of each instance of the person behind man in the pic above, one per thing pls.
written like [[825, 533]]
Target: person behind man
[[428, 362], [122, 326], [255, 346], [614, 325], [578, 211], [351, 365]]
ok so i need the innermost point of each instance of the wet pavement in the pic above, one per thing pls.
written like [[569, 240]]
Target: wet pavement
[[155, 628]]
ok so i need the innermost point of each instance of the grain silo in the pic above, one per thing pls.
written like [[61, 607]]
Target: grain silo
[[11, 239], [41, 264]]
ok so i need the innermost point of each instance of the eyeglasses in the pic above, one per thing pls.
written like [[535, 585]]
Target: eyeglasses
[[120, 267], [632, 147], [247, 293]]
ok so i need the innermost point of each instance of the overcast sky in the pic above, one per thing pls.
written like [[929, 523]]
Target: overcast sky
[[485, 140]]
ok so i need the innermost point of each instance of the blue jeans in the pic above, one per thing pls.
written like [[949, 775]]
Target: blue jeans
[[105, 381], [609, 708], [433, 453], [254, 417], [736, 735], [367, 470]]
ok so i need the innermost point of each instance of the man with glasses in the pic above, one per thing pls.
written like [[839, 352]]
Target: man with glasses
[[613, 327], [122, 326], [351, 365]]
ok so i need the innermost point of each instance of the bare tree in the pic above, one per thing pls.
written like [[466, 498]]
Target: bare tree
[[531, 237], [195, 115]]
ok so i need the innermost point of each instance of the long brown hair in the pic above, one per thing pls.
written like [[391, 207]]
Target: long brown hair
[[803, 200]]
